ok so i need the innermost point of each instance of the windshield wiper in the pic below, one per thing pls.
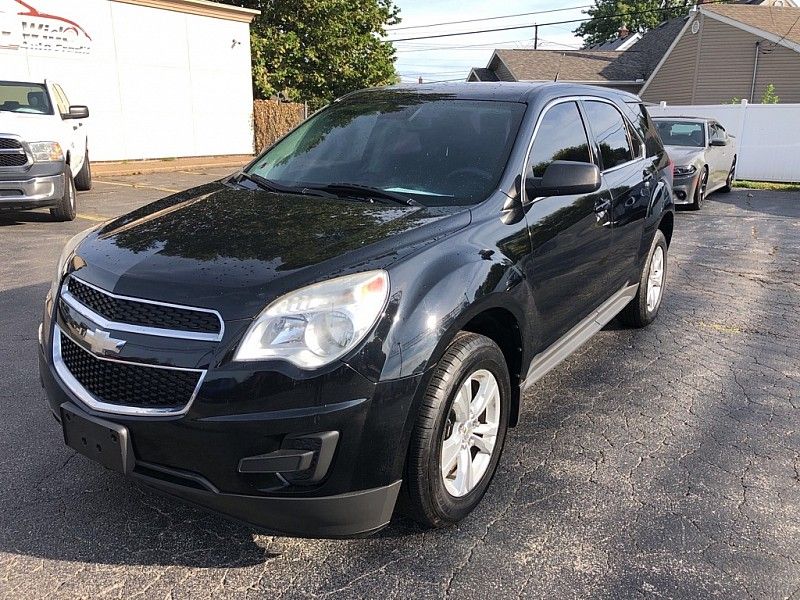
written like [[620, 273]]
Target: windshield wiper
[[370, 192], [274, 186]]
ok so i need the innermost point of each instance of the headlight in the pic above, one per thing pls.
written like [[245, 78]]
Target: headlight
[[315, 325], [46, 151], [66, 253], [687, 170]]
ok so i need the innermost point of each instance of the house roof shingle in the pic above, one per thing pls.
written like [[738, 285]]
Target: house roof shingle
[[781, 21], [569, 65], [643, 57], [484, 74]]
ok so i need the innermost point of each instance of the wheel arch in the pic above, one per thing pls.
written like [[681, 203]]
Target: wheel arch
[[666, 225]]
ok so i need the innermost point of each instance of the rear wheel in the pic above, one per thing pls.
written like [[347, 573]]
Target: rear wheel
[[459, 432], [700, 190], [643, 309], [731, 177], [65, 210], [83, 180]]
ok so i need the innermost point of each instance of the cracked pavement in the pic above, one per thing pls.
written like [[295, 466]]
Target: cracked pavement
[[661, 463]]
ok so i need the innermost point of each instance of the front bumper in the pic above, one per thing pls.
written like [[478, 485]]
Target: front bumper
[[25, 190], [238, 414], [683, 188]]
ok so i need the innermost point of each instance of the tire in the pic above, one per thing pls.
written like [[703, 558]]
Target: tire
[[731, 178], [83, 180], [639, 312], [468, 367], [700, 190], [66, 210]]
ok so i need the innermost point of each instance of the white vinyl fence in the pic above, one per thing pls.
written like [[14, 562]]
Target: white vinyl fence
[[767, 136]]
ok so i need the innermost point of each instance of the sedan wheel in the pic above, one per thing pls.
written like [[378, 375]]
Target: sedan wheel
[[700, 190], [471, 433]]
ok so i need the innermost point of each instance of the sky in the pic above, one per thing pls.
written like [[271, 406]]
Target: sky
[[452, 57]]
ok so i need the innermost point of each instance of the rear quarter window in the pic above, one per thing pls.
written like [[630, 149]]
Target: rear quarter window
[[640, 118]]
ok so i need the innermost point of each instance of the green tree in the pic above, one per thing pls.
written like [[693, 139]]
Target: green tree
[[769, 96], [316, 50], [607, 16]]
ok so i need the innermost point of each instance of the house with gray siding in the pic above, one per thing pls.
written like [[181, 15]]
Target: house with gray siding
[[727, 51]]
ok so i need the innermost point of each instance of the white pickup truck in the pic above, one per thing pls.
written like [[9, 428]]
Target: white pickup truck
[[44, 148]]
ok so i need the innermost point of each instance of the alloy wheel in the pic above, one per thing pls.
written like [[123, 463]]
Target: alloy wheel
[[470, 433], [655, 279]]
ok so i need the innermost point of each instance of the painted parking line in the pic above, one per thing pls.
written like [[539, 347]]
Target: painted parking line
[[138, 186], [96, 218]]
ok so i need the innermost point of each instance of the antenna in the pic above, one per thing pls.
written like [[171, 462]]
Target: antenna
[[558, 69]]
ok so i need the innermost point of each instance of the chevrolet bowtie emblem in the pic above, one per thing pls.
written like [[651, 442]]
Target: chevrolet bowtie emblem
[[101, 342]]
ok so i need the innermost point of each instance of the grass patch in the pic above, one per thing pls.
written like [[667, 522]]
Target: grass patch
[[767, 185]]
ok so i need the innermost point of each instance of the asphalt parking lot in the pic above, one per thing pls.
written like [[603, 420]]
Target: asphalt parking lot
[[659, 463]]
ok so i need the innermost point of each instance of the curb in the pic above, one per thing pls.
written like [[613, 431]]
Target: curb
[[145, 167]]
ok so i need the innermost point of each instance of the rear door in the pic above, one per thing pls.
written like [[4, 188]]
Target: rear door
[[715, 156], [630, 177], [570, 235]]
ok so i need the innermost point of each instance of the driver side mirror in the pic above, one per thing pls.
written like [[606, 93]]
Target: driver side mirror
[[564, 178], [77, 111], [718, 142]]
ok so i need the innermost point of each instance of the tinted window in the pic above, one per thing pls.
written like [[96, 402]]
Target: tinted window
[[611, 133], [29, 98], [435, 149], [561, 136], [681, 133], [645, 128]]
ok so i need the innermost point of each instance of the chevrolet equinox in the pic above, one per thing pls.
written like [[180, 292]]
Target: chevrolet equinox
[[349, 324]]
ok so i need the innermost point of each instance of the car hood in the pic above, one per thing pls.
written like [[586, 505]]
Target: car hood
[[31, 128], [683, 155], [235, 250]]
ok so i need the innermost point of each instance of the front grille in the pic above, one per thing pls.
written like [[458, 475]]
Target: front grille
[[13, 160], [127, 384], [9, 144], [143, 314]]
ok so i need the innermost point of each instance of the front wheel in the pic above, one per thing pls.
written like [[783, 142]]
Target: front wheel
[[731, 178], [643, 308], [65, 210], [700, 190], [459, 432]]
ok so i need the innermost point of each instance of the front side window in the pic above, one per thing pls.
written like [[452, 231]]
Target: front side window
[[27, 98], [435, 149], [610, 132], [681, 133], [560, 136]]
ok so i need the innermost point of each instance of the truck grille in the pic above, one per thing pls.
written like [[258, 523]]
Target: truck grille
[[9, 144], [128, 384], [13, 160], [143, 314]]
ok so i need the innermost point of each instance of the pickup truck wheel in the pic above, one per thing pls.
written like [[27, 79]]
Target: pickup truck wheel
[[65, 210], [643, 309], [459, 432], [83, 180]]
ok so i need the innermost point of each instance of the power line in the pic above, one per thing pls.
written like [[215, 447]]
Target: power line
[[463, 47], [529, 26], [525, 14]]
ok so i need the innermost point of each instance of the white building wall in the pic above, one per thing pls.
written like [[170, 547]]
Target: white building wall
[[158, 83], [768, 147]]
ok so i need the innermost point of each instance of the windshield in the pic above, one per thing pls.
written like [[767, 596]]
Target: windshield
[[434, 149], [682, 133], [30, 98]]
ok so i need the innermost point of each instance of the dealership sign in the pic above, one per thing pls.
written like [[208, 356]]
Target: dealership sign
[[22, 26]]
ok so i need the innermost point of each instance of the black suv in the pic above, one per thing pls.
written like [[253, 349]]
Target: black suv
[[353, 319]]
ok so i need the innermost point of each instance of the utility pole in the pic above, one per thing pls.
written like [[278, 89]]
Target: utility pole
[[420, 79], [536, 37]]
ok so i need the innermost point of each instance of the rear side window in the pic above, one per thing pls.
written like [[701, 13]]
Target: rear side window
[[646, 128], [561, 136], [611, 133]]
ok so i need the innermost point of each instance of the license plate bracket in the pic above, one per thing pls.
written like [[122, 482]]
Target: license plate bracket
[[103, 441]]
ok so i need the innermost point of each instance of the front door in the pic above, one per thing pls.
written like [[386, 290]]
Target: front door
[[570, 235]]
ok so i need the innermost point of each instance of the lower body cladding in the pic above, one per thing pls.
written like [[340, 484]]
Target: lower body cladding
[[41, 185], [684, 188], [329, 466]]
